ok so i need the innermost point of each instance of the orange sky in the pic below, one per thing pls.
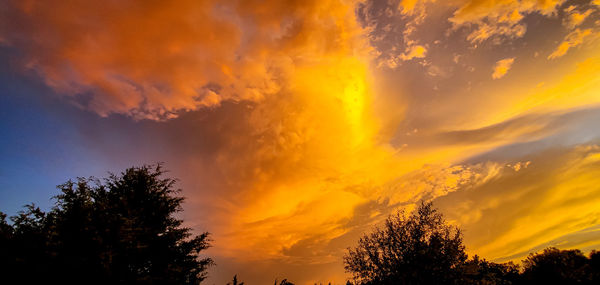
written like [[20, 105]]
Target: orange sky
[[347, 111]]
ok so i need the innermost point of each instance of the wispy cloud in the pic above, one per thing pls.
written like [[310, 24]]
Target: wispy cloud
[[573, 39], [502, 67]]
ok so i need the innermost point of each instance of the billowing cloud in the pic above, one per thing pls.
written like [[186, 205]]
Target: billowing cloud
[[501, 67], [153, 60]]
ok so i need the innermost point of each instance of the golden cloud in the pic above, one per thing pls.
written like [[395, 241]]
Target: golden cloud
[[499, 19], [416, 51], [573, 39], [576, 18], [524, 210], [501, 67]]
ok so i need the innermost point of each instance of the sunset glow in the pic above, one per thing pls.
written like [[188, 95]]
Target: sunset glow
[[295, 126]]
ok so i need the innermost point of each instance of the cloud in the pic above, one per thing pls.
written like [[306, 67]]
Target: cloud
[[499, 19], [416, 51], [518, 212], [502, 67], [576, 18], [408, 6], [154, 60], [573, 39]]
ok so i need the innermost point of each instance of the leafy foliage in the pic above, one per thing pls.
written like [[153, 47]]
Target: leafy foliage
[[121, 231], [419, 249]]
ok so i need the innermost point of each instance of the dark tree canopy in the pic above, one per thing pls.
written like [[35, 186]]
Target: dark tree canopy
[[478, 271], [122, 230], [419, 249], [554, 266]]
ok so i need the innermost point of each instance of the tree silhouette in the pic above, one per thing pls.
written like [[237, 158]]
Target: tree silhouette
[[235, 281], [554, 266], [595, 265], [480, 271], [122, 230], [419, 249], [284, 282]]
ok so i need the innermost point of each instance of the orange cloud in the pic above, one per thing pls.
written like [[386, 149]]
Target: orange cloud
[[499, 19], [154, 60], [502, 67], [532, 211], [416, 51], [575, 18], [573, 39]]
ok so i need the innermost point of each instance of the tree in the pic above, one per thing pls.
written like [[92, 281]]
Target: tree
[[122, 230], [235, 281], [554, 266], [595, 265], [284, 282], [419, 249], [478, 271]]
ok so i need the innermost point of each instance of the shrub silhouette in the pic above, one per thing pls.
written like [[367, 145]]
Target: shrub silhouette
[[119, 231]]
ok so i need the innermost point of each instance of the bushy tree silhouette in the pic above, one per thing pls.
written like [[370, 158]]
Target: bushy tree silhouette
[[418, 249], [554, 266], [122, 230], [478, 271]]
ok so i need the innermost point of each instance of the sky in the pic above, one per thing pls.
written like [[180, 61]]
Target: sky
[[296, 126]]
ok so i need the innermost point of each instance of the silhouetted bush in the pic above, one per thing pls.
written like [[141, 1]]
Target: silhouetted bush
[[119, 231]]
